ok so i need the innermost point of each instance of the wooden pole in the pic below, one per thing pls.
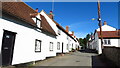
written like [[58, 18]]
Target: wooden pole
[[100, 24]]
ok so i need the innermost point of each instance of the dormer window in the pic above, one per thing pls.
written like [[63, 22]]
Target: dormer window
[[67, 37], [38, 22], [59, 32]]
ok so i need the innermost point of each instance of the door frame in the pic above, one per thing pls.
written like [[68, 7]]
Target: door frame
[[12, 47], [62, 46]]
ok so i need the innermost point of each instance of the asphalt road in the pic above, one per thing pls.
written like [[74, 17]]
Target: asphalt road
[[73, 59]]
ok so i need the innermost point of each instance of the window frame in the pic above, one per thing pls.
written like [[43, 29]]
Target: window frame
[[67, 46], [40, 42], [39, 26], [51, 48], [108, 42], [58, 46]]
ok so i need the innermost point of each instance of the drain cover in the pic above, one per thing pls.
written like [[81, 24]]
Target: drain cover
[[77, 61]]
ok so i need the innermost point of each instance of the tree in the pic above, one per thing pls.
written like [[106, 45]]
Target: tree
[[83, 42]]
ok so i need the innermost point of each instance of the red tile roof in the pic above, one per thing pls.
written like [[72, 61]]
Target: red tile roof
[[45, 25], [25, 13], [19, 10], [59, 26], [110, 34]]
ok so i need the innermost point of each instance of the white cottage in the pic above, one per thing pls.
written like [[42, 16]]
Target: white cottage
[[26, 35], [22, 38], [65, 42], [110, 37]]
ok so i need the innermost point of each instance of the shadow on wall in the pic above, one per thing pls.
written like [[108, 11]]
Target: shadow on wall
[[99, 61], [0, 59]]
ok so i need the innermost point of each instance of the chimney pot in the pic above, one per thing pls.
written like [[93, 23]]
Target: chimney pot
[[73, 33], [51, 15], [67, 29], [105, 23], [36, 10]]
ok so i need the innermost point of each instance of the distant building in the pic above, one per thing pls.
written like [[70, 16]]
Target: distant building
[[110, 38]]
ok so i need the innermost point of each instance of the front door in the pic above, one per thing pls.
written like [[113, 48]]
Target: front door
[[7, 47]]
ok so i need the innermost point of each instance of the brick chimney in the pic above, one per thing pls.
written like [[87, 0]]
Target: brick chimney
[[73, 33], [67, 29], [105, 23], [51, 15]]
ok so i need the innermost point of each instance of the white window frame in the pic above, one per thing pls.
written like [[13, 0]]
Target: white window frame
[[67, 46], [59, 32], [51, 46], [38, 45], [58, 45], [38, 23]]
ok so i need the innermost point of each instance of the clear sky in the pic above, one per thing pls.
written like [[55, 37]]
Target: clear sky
[[78, 15]]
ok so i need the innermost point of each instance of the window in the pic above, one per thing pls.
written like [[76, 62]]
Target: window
[[37, 45], [58, 45], [67, 37], [67, 47], [107, 41], [38, 22], [59, 32], [51, 46]]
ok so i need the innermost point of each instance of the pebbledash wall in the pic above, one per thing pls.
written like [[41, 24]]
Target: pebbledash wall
[[113, 54]]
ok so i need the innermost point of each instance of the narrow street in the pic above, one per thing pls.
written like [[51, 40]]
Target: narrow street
[[79, 58]]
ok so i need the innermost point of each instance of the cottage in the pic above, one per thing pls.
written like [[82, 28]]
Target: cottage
[[65, 42], [22, 37], [26, 35], [110, 37]]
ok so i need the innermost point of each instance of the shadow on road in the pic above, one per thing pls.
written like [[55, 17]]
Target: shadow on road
[[88, 51], [99, 61]]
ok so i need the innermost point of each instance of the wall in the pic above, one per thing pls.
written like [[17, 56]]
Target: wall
[[24, 49], [113, 54], [60, 38]]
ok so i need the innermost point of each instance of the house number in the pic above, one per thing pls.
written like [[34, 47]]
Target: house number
[[7, 36]]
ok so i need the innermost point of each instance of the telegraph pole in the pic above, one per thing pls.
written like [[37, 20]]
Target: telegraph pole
[[100, 24]]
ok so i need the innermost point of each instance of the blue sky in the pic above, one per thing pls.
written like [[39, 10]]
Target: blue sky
[[78, 15]]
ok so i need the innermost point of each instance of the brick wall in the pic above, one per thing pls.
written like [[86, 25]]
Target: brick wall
[[113, 54]]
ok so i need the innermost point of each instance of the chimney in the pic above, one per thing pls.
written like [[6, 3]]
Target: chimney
[[73, 33], [51, 15], [67, 29], [105, 23], [36, 10]]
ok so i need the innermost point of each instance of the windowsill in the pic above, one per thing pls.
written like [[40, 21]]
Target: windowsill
[[51, 50], [37, 51]]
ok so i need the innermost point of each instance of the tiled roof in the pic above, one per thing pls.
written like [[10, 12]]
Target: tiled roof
[[110, 34], [59, 26], [25, 13], [19, 10], [45, 26]]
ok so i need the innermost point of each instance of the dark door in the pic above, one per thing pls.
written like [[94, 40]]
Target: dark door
[[7, 47], [62, 47]]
